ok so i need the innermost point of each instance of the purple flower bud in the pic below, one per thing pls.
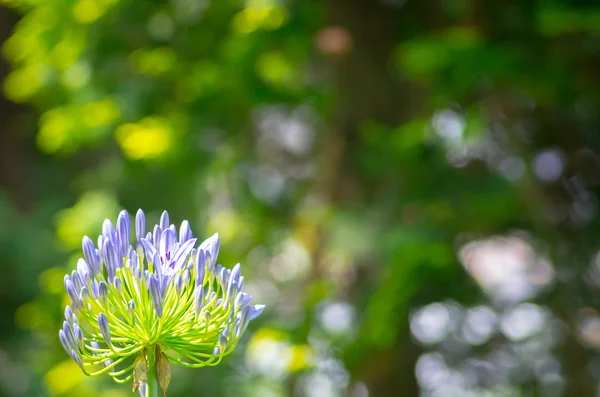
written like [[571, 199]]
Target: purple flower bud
[[206, 317], [131, 307], [186, 278], [64, 341], [140, 224], [223, 342], [104, 329], [84, 293], [108, 231], [95, 291], [83, 270], [243, 321], [211, 247], [198, 300], [200, 267], [89, 251], [133, 258], [72, 291], [155, 294], [178, 283], [123, 233], [118, 284], [77, 359], [68, 331], [236, 272], [185, 232], [69, 316], [241, 283], [156, 235], [223, 276], [237, 304], [78, 336], [232, 290], [164, 220], [112, 259], [76, 280], [103, 291]]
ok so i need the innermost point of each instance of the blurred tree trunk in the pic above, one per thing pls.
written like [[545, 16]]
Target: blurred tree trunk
[[366, 91]]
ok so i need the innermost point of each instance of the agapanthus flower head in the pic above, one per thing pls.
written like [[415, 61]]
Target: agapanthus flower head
[[161, 300]]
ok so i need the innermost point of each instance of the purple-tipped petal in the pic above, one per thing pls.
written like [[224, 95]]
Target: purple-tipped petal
[[149, 249], [158, 267], [256, 311], [246, 298], [164, 220], [211, 247], [185, 232], [198, 300], [167, 239], [104, 329], [123, 233], [89, 251], [182, 255], [140, 224], [155, 294]]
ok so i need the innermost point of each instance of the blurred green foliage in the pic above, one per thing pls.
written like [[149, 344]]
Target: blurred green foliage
[[384, 170]]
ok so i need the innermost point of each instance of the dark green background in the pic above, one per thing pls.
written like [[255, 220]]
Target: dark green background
[[411, 186]]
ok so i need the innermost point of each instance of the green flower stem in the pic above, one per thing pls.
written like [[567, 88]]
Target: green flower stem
[[153, 388]]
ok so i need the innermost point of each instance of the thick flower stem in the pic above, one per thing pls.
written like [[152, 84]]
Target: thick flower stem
[[152, 386]]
